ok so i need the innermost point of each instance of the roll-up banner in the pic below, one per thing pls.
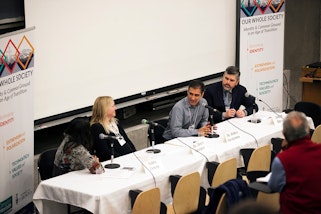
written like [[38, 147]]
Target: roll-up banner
[[261, 50], [16, 121]]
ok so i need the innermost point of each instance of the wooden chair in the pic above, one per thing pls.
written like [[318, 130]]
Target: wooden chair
[[222, 205], [226, 195], [219, 173], [272, 200], [186, 193], [259, 162], [316, 136], [266, 196], [145, 201]]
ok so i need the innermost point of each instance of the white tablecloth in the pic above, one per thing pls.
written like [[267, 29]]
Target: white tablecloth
[[108, 192]]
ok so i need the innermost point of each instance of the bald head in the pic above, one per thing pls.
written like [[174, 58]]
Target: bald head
[[295, 126]]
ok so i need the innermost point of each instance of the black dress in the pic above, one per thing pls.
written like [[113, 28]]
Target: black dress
[[102, 147]]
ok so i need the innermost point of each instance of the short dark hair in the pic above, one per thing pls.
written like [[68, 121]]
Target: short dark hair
[[197, 84], [233, 70]]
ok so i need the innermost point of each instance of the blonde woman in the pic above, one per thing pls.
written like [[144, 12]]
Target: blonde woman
[[103, 121]]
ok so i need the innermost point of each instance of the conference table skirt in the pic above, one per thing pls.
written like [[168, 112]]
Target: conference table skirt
[[108, 192]]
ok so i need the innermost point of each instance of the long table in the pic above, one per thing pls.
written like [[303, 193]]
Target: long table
[[108, 192]]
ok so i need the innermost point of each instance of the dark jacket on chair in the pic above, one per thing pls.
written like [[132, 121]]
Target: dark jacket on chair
[[235, 189]]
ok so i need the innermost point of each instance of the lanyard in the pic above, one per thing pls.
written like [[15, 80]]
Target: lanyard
[[193, 124]]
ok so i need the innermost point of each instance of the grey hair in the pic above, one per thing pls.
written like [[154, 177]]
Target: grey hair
[[233, 70], [295, 126]]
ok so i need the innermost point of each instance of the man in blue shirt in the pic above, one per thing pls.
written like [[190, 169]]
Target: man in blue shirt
[[188, 116]]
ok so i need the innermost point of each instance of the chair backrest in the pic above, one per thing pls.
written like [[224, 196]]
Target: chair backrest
[[186, 193], [46, 163], [260, 159], [272, 200], [225, 171], [222, 205], [158, 131], [316, 136], [147, 202], [246, 154], [235, 190], [277, 144], [312, 110]]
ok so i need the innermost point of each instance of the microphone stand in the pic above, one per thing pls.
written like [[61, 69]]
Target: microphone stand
[[152, 150], [213, 134], [254, 119], [112, 165]]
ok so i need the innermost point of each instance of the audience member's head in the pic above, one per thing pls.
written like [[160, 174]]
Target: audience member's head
[[251, 207], [295, 126]]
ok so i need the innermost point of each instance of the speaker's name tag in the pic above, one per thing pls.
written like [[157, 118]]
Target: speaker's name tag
[[198, 146], [277, 121], [232, 136], [154, 164]]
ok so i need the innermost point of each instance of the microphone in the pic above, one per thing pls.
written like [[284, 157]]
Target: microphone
[[152, 125], [209, 107], [212, 134], [251, 96], [103, 136], [111, 165], [144, 121], [254, 119], [255, 98]]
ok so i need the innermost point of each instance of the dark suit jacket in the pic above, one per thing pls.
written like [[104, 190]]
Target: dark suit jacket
[[214, 97]]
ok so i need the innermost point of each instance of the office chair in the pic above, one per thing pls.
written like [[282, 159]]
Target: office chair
[[310, 109], [46, 164], [219, 173], [277, 144], [147, 201]]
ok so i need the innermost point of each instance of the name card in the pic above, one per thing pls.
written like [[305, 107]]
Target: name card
[[153, 164], [198, 146], [277, 120], [232, 136]]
